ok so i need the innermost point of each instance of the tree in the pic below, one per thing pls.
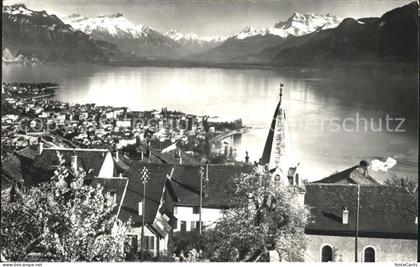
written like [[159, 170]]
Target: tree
[[410, 185], [265, 216], [55, 222]]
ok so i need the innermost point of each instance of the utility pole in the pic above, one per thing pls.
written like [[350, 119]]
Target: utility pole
[[357, 224], [201, 198], [144, 179]]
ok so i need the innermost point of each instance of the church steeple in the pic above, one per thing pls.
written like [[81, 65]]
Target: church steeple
[[281, 92], [277, 152]]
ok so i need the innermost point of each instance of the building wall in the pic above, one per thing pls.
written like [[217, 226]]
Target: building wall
[[386, 249], [163, 243], [107, 169], [208, 216]]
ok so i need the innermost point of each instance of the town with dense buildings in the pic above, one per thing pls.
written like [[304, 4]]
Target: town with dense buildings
[[168, 173]]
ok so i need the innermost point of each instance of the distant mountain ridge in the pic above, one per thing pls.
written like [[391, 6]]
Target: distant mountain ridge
[[302, 40], [253, 40], [195, 43], [390, 38], [41, 36], [140, 40], [296, 25]]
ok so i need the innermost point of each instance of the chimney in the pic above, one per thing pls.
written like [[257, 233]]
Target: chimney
[[345, 215], [40, 148], [246, 157], [74, 162], [364, 164]]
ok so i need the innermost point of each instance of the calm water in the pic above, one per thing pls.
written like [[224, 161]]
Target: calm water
[[313, 102]]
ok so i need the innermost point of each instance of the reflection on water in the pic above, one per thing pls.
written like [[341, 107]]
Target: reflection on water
[[311, 100]]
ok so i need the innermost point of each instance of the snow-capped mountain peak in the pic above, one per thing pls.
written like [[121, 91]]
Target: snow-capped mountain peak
[[116, 25], [193, 37], [297, 25], [17, 9], [22, 10], [194, 42]]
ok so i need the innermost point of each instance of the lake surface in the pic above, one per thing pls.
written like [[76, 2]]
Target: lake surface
[[316, 103]]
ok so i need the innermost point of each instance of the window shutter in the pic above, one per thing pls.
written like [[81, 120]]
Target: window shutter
[[183, 226], [151, 243]]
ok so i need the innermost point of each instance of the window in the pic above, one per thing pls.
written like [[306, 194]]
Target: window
[[197, 225], [369, 254], [132, 243], [183, 226], [113, 194], [196, 210], [326, 253], [149, 242]]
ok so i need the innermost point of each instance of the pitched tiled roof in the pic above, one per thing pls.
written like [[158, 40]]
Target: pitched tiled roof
[[186, 180], [384, 211], [117, 185], [154, 188], [28, 152], [89, 160], [170, 158], [353, 175], [11, 169], [6, 183]]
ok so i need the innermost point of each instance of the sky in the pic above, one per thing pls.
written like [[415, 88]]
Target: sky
[[216, 17]]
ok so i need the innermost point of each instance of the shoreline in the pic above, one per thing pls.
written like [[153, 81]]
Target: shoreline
[[337, 67], [41, 96]]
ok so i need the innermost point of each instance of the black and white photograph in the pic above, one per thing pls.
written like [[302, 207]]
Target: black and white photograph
[[209, 131]]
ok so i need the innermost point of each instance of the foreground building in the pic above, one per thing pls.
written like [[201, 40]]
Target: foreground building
[[387, 216], [387, 224]]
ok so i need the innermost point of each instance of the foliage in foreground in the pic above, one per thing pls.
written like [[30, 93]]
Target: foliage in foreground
[[55, 222], [409, 185], [266, 216]]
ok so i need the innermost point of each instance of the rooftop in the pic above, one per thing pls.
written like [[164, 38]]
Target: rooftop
[[384, 211]]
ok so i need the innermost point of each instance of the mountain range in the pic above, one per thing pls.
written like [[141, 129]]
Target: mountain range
[[390, 38], [37, 35], [253, 40], [140, 40], [302, 39]]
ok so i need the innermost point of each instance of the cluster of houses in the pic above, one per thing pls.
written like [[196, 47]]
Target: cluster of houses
[[24, 115], [353, 217]]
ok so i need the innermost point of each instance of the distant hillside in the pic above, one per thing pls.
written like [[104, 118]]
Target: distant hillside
[[390, 38], [36, 34]]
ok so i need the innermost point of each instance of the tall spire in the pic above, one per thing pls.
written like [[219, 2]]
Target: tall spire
[[281, 92], [277, 149]]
